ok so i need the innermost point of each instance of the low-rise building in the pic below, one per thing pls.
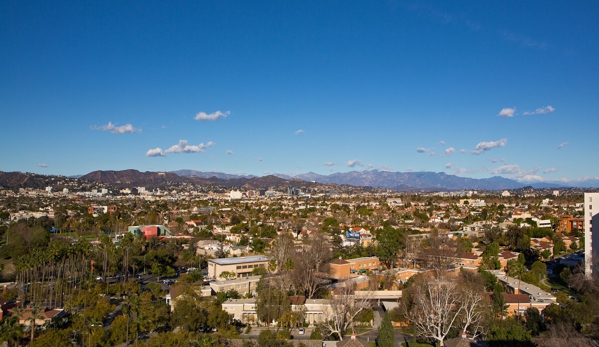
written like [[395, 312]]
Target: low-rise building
[[240, 266], [243, 285]]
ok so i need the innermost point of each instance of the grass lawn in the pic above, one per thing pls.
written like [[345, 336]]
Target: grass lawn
[[556, 283]]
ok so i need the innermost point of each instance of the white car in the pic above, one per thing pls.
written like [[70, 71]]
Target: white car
[[301, 331]]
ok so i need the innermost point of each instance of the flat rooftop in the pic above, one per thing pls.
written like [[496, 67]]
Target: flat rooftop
[[239, 260]]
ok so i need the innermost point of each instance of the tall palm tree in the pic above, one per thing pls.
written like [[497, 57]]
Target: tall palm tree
[[36, 313]]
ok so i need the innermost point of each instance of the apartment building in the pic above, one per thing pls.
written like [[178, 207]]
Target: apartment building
[[591, 216]]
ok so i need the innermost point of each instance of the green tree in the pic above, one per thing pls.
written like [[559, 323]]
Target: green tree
[[386, 336], [390, 241], [271, 304], [559, 246], [53, 338], [509, 332], [10, 330], [534, 321], [566, 275], [188, 314]]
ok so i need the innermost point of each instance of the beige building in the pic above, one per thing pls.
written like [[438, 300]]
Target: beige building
[[243, 310], [243, 285], [314, 310], [241, 266]]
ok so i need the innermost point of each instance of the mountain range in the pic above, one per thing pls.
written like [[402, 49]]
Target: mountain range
[[404, 181], [400, 181]]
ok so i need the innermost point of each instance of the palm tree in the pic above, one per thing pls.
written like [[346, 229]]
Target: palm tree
[[11, 331], [35, 314]]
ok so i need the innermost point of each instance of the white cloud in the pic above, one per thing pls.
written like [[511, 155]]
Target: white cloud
[[123, 129], [550, 170], [184, 147], [542, 110], [494, 160], [518, 173], [507, 112], [297, 132], [450, 151], [509, 169], [409, 169], [42, 165], [421, 150], [329, 163], [229, 151], [442, 143], [531, 178], [354, 163], [156, 152], [483, 147], [561, 145], [463, 151], [259, 159], [211, 116], [370, 166], [448, 165]]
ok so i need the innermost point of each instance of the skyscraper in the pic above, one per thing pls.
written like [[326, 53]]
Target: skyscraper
[[591, 240]]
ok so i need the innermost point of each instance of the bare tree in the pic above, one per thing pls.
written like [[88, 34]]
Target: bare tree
[[282, 258], [563, 335], [344, 307], [473, 310], [435, 308]]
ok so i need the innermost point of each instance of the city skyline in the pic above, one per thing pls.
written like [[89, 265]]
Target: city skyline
[[476, 90]]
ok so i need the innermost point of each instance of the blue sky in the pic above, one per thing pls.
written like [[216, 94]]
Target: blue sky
[[477, 89]]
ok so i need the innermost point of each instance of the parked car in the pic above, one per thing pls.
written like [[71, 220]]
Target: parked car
[[168, 282], [301, 331]]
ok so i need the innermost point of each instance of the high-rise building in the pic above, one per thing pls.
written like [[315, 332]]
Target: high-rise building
[[591, 240]]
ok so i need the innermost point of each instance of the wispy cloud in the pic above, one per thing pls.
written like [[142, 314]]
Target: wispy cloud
[[518, 173], [448, 165], [561, 145], [421, 150], [354, 163], [297, 132], [211, 116], [409, 169], [463, 151], [549, 170], [329, 163], [229, 151], [123, 129], [523, 40], [442, 143], [542, 110], [155, 152], [42, 165], [483, 147], [507, 112], [450, 151], [510, 169], [260, 159]]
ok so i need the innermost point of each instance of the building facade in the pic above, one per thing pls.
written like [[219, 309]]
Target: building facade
[[591, 216], [240, 266]]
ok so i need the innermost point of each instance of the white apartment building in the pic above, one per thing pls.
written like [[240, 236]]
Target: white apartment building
[[591, 216]]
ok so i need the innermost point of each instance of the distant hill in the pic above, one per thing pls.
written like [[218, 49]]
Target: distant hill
[[412, 180], [134, 177], [10, 180], [131, 177], [201, 174]]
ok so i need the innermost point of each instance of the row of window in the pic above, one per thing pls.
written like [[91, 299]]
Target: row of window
[[249, 266]]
